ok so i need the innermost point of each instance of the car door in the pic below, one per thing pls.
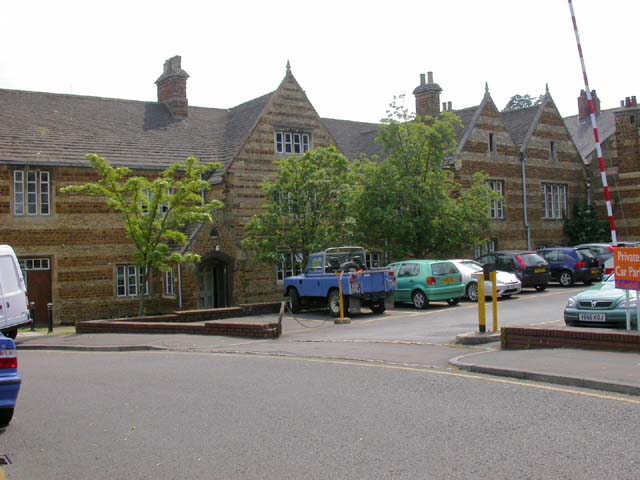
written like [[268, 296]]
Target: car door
[[406, 280], [556, 259]]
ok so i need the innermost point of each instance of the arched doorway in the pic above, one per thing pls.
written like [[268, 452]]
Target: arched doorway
[[213, 283]]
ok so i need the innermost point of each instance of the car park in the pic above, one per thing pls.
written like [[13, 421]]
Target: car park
[[9, 379], [422, 281], [507, 283], [531, 269], [569, 265], [602, 305]]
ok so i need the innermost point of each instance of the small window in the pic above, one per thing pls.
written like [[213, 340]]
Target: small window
[[31, 192], [492, 142], [288, 266], [632, 119], [554, 201], [169, 283], [129, 281], [496, 207], [292, 142], [553, 150]]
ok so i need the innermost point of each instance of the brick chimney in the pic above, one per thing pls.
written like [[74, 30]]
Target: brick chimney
[[427, 97], [629, 102], [583, 105], [172, 87]]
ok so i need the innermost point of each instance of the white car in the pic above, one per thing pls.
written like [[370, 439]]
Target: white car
[[507, 283]]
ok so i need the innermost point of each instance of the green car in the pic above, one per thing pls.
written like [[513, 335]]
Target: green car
[[602, 305], [424, 281]]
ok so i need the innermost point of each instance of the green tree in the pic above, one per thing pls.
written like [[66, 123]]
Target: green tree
[[154, 212], [410, 204], [584, 226], [522, 101], [306, 209]]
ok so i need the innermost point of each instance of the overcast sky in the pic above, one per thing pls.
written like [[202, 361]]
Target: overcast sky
[[350, 56]]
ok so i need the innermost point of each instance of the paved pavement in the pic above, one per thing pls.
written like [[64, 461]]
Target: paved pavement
[[601, 370]]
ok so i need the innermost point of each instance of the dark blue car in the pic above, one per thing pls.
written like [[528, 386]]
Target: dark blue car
[[9, 379], [569, 265]]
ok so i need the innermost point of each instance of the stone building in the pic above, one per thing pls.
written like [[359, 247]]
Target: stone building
[[530, 158], [619, 131], [76, 255]]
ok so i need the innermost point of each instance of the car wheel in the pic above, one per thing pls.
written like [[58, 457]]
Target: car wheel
[[419, 299], [566, 278], [378, 307], [12, 334], [472, 291], [334, 303], [453, 301], [294, 300], [541, 288], [6, 414]]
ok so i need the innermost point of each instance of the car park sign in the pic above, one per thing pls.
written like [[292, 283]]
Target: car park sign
[[626, 264]]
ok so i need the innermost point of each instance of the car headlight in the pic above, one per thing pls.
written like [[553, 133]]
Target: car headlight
[[633, 302], [571, 303]]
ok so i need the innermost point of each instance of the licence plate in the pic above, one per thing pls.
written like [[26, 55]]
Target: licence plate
[[595, 271], [592, 317], [448, 281], [539, 270]]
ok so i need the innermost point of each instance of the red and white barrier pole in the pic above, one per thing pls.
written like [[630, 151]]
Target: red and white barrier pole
[[594, 124]]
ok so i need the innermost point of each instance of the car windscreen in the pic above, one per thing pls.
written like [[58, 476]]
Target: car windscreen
[[472, 265], [532, 259], [443, 268]]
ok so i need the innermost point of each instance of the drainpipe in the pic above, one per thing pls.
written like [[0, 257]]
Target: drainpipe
[[523, 160], [179, 287]]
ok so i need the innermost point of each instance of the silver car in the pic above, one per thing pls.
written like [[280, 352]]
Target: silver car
[[507, 283]]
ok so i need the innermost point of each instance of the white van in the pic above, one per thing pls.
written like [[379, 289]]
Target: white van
[[14, 310]]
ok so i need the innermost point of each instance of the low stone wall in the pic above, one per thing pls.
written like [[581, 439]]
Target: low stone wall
[[518, 338]]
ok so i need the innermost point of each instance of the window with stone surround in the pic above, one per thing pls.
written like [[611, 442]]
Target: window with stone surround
[[553, 150], [554, 201], [292, 142], [492, 142], [31, 192], [288, 266], [496, 207], [129, 281]]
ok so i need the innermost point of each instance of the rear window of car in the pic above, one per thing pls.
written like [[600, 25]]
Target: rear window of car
[[585, 253], [532, 259], [443, 268]]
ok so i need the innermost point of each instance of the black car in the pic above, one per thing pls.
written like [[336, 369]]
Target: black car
[[604, 251], [570, 265], [530, 268]]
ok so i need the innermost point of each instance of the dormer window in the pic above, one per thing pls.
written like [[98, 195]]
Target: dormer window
[[291, 142]]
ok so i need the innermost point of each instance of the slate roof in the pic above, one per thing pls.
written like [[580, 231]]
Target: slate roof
[[582, 132], [354, 138], [518, 122], [467, 116], [58, 129]]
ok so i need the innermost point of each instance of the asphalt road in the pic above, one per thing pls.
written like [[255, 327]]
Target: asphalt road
[[375, 399], [150, 415]]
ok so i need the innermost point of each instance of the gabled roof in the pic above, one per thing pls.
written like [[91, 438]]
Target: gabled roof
[[354, 138], [57, 129], [582, 132], [520, 122], [468, 116]]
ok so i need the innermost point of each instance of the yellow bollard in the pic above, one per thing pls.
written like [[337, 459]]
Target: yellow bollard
[[342, 319], [481, 305], [494, 300]]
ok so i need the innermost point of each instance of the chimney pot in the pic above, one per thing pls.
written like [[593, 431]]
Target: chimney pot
[[422, 79], [444, 106], [172, 87], [622, 103], [634, 102], [430, 76], [449, 106]]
